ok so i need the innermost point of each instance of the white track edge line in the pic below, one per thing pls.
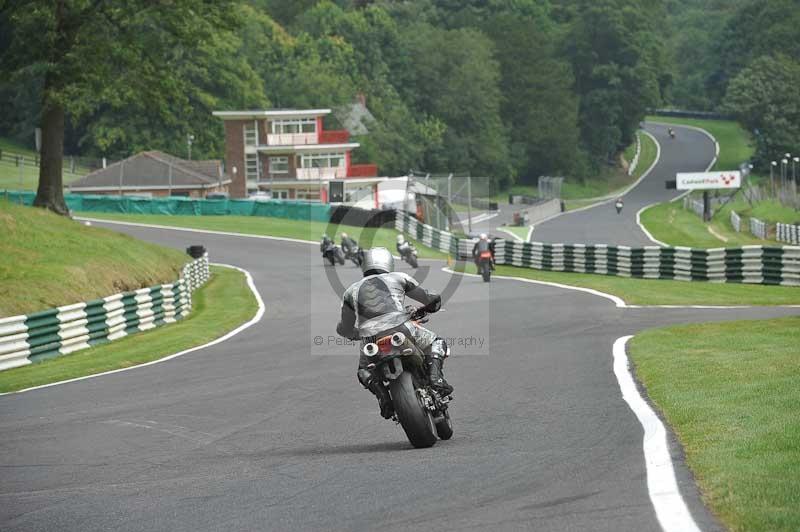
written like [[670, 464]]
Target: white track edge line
[[644, 229], [255, 319], [671, 511], [191, 230], [619, 302], [506, 231], [530, 234]]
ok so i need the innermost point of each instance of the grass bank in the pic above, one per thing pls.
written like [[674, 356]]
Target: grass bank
[[735, 144], [672, 224], [664, 292], [14, 176], [48, 260], [731, 392], [257, 225], [224, 303]]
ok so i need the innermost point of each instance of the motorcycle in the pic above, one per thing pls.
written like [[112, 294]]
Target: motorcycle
[[418, 408], [485, 265], [619, 206], [409, 254], [333, 254], [355, 254], [671, 133]]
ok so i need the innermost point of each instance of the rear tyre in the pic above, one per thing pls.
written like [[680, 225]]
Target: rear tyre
[[415, 420], [444, 427], [487, 273]]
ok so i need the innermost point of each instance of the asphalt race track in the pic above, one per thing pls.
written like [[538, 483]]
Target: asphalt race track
[[270, 431], [690, 151]]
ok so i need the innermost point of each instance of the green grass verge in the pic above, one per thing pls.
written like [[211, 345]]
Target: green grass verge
[[257, 225], [731, 393], [735, 144], [48, 260], [663, 292], [520, 231], [672, 224], [224, 303]]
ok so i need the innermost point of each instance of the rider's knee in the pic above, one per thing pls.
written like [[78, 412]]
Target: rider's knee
[[439, 348]]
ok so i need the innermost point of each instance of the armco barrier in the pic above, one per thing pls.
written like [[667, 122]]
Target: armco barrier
[[789, 233], [758, 228], [748, 264], [295, 210], [736, 221], [58, 331]]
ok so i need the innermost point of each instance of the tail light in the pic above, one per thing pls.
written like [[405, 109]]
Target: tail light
[[385, 344]]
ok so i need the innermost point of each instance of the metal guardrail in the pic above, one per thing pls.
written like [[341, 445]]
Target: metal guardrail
[[50, 333]]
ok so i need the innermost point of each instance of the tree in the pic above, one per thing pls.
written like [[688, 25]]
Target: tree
[[764, 97], [89, 53]]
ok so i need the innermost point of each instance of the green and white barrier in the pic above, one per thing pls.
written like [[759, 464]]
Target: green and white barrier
[[778, 265], [47, 334], [789, 233]]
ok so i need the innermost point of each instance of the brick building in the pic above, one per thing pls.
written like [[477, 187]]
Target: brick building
[[289, 153]]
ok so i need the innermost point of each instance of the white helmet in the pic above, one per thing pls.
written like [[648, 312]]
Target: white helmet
[[377, 260], [400, 239], [344, 235], [484, 236]]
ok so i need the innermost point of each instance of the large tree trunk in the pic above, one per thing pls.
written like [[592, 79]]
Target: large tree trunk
[[50, 193]]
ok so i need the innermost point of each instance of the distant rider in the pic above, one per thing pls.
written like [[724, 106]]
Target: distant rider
[[403, 247], [349, 245], [375, 305], [619, 204], [483, 244], [325, 244]]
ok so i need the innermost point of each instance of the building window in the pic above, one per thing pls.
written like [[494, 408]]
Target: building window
[[280, 194], [298, 125], [251, 166], [279, 165], [307, 194], [250, 134], [323, 160]]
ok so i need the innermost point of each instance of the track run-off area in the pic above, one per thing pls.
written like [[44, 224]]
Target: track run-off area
[[269, 430]]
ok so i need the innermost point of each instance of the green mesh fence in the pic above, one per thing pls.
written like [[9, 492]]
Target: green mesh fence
[[294, 210]]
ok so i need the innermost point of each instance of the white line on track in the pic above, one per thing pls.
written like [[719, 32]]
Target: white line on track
[[671, 511], [255, 319], [617, 301], [644, 229], [506, 231]]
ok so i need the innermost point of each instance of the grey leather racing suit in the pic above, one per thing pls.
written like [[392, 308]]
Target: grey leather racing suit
[[376, 304]]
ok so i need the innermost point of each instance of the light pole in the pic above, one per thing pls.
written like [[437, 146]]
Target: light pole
[[772, 166], [794, 168], [784, 168], [189, 140]]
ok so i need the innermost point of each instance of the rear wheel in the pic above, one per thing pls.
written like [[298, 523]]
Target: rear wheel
[[414, 418], [412, 260], [444, 427], [487, 272]]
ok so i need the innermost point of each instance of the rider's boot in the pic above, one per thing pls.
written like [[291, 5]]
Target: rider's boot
[[435, 360], [373, 384]]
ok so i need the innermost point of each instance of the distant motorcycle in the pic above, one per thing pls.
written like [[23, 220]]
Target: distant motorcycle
[[332, 253], [485, 265], [671, 133], [619, 206], [408, 253], [419, 409], [354, 254]]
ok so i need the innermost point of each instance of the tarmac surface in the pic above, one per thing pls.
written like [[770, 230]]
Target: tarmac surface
[[271, 431]]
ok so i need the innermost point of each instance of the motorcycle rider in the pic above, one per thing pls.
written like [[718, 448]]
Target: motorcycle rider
[[619, 204], [671, 132], [483, 244], [326, 243], [402, 246], [375, 305], [349, 245]]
